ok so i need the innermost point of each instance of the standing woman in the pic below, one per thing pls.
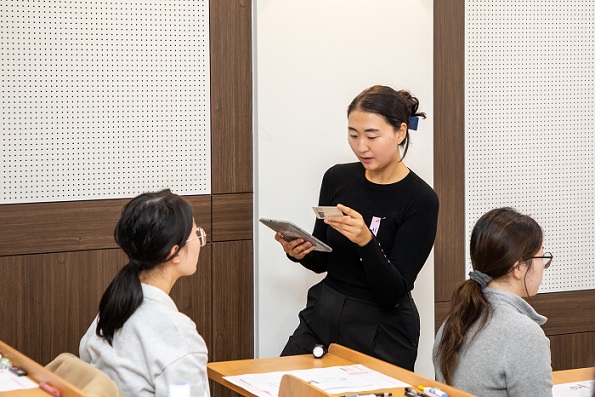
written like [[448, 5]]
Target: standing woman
[[139, 338], [492, 344], [379, 245]]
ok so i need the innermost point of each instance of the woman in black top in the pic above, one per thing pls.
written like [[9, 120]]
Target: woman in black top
[[379, 245]]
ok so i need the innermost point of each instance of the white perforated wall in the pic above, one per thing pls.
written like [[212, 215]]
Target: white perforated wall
[[104, 99], [530, 118]]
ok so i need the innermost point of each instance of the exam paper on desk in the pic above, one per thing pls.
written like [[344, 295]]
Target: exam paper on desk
[[10, 381], [574, 389], [339, 379]]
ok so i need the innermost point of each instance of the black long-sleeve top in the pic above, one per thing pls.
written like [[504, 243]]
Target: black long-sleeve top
[[385, 269]]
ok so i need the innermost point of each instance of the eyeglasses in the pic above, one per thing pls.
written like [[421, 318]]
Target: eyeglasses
[[547, 259], [201, 235]]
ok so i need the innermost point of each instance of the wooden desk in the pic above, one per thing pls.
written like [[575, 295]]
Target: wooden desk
[[337, 355], [573, 375], [37, 373]]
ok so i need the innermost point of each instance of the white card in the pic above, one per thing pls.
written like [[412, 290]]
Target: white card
[[324, 211]]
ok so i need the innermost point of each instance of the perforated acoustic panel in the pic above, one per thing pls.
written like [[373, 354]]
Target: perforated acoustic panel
[[530, 118], [104, 99]]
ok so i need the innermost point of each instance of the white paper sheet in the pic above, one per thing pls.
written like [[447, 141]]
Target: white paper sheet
[[340, 379], [10, 381], [574, 389]]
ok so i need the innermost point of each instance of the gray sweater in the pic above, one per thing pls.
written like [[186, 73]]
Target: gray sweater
[[509, 357], [157, 347]]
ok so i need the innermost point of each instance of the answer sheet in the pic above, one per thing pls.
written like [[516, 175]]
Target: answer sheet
[[334, 380], [10, 381], [574, 389]]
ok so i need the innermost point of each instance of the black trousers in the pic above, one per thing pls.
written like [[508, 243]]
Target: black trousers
[[388, 333]]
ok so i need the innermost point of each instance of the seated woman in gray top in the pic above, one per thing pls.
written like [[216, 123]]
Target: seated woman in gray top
[[491, 343], [139, 338]]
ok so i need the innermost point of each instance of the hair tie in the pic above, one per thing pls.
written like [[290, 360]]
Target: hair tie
[[480, 278], [136, 264]]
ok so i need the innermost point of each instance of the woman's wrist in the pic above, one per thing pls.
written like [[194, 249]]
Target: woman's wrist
[[366, 240]]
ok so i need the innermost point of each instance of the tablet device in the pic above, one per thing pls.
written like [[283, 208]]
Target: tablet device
[[291, 231]]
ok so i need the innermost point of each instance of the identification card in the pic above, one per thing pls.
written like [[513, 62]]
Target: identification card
[[324, 211]]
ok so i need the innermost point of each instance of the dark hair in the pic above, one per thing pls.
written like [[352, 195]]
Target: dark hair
[[150, 225], [500, 238], [394, 106]]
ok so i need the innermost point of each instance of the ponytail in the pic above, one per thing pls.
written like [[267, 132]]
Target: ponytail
[[150, 226], [499, 239], [119, 301], [469, 305]]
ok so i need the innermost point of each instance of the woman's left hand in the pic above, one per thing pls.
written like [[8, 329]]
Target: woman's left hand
[[351, 225]]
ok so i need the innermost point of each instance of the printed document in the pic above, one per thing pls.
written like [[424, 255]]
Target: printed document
[[10, 381], [334, 380], [574, 389]]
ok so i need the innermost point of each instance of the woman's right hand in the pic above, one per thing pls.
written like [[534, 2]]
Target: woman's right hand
[[297, 248]]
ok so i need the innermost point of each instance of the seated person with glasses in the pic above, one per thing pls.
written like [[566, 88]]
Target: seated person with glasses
[[139, 338], [491, 343]]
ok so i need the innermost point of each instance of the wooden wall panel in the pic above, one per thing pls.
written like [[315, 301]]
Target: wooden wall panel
[[233, 298], [449, 144], [56, 227], [232, 217], [231, 96], [51, 299], [71, 226], [573, 350], [232, 175], [567, 312], [570, 320], [440, 311], [233, 305], [12, 296]]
